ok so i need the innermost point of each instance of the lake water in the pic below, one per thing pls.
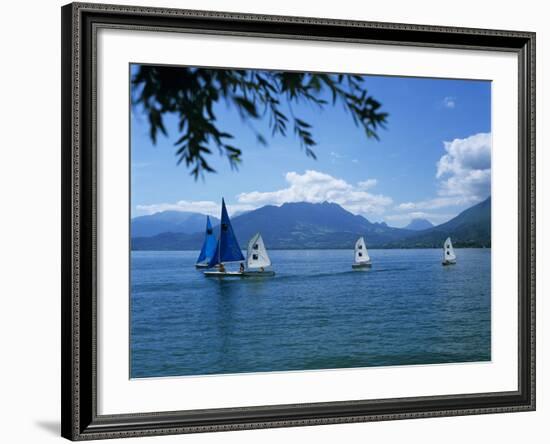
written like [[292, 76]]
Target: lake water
[[316, 313]]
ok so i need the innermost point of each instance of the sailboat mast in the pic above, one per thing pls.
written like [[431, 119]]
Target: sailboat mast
[[219, 249]]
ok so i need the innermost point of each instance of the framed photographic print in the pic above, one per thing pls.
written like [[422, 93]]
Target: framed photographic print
[[280, 221]]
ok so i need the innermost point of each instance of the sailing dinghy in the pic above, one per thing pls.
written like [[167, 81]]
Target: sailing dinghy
[[449, 257], [257, 259], [227, 250], [208, 246], [362, 259]]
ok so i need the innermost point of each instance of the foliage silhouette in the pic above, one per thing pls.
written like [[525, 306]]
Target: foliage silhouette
[[191, 93]]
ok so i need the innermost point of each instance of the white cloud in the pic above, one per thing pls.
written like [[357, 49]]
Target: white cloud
[[465, 169], [367, 184], [463, 173], [312, 186], [437, 202], [200, 206], [463, 176], [315, 187], [449, 102]]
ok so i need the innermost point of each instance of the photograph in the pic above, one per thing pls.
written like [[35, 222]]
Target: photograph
[[291, 220], [306, 221]]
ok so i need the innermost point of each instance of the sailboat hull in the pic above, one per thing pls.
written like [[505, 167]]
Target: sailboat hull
[[258, 273], [238, 274], [361, 266], [215, 273], [444, 263]]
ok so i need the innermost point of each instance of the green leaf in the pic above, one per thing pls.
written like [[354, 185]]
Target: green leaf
[[302, 123], [246, 105]]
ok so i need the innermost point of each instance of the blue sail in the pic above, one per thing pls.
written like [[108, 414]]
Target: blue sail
[[227, 248], [209, 244]]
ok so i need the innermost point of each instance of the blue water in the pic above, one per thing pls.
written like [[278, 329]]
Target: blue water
[[316, 313]]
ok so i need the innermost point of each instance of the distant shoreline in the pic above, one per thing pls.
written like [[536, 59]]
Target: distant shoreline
[[307, 226], [458, 247]]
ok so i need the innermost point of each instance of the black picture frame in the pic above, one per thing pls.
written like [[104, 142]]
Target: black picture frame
[[80, 420]]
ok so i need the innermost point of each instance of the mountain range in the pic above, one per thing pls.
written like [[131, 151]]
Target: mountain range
[[419, 225], [170, 222], [311, 226], [471, 228]]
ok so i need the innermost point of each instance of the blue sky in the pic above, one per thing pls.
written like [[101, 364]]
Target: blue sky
[[432, 160]]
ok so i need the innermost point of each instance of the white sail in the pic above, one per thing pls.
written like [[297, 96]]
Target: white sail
[[448, 251], [257, 256], [361, 253]]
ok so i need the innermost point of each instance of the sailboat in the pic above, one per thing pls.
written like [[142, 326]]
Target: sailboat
[[227, 249], [208, 246], [257, 259], [362, 259], [449, 257]]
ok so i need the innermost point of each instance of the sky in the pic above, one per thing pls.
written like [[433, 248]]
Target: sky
[[433, 159]]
